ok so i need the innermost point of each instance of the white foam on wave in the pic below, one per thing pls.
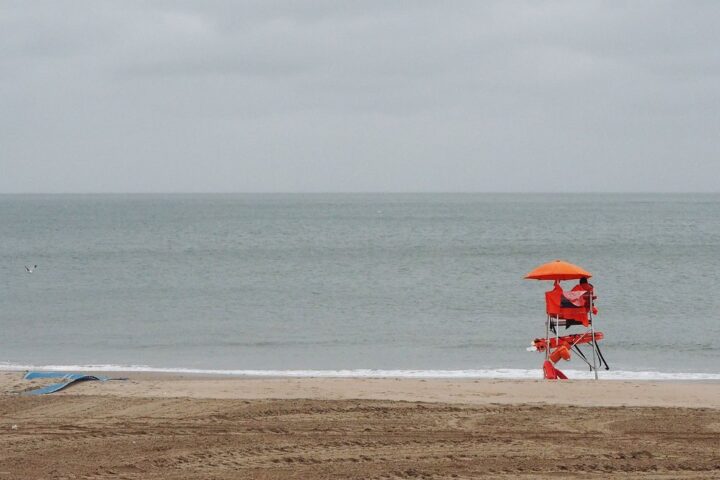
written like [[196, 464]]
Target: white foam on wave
[[497, 373]]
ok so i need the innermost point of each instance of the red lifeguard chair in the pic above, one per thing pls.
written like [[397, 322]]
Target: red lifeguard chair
[[565, 309]]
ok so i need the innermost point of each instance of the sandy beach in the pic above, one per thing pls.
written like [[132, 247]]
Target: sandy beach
[[181, 427]]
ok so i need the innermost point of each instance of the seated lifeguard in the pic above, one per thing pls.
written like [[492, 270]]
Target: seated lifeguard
[[572, 306], [584, 286]]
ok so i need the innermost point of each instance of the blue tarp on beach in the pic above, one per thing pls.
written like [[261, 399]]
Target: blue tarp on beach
[[67, 379]]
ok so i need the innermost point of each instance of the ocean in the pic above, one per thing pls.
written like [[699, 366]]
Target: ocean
[[424, 285]]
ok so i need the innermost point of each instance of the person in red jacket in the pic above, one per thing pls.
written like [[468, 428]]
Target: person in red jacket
[[583, 284]]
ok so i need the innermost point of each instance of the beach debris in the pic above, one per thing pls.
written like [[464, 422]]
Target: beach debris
[[30, 269], [14, 427], [66, 379]]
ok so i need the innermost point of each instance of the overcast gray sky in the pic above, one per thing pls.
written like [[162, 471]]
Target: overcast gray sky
[[317, 96]]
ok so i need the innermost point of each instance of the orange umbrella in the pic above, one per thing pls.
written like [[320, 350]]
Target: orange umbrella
[[558, 270]]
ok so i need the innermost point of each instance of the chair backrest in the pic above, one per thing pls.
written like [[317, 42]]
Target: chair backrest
[[570, 305]]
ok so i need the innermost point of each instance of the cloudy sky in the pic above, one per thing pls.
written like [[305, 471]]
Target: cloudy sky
[[328, 96]]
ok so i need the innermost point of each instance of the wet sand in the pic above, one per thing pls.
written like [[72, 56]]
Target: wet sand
[[170, 427]]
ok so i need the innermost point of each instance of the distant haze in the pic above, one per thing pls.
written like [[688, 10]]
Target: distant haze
[[371, 96]]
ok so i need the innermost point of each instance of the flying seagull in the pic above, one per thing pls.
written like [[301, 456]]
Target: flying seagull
[[30, 270]]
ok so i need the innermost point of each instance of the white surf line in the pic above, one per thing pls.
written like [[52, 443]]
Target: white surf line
[[508, 374]]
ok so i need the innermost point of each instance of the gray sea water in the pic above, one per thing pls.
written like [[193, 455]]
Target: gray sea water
[[422, 282]]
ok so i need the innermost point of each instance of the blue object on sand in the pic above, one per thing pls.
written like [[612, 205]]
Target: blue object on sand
[[67, 380]]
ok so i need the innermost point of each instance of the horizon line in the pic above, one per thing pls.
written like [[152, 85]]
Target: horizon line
[[376, 192]]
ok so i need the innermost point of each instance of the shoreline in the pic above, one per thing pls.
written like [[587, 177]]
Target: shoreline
[[458, 374], [587, 393]]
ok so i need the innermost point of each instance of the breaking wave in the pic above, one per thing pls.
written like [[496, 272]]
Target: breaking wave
[[497, 373]]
